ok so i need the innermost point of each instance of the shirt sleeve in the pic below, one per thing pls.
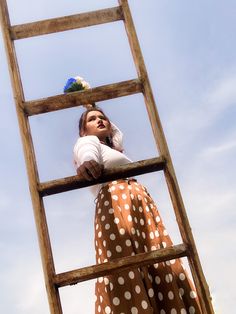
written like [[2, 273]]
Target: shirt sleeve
[[87, 148]]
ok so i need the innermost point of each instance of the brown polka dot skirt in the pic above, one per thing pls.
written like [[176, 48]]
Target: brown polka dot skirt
[[127, 222]]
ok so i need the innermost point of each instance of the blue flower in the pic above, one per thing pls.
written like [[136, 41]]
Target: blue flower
[[69, 84]]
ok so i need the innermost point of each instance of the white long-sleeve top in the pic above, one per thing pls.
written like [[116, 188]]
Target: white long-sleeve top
[[89, 148]]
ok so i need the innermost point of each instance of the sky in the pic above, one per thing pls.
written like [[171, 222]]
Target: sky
[[189, 51]]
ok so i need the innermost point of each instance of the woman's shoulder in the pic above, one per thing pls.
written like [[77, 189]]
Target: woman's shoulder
[[87, 140]]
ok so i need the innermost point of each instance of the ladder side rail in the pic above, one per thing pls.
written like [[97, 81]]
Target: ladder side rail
[[176, 198], [65, 23], [39, 212], [88, 96], [120, 264]]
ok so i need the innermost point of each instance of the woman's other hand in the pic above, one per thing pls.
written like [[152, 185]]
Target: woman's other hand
[[90, 170]]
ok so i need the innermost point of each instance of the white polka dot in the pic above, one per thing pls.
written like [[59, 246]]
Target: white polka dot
[[139, 197], [128, 242], [134, 310], [122, 231], [173, 311], [144, 305], [132, 230], [158, 219], [99, 234], [164, 244], [129, 218], [96, 227], [156, 233], [116, 220], [156, 265], [183, 311], [100, 280], [153, 248], [169, 278], [165, 233], [113, 188], [130, 187], [160, 296], [131, 275], [162, 312], [134, 208], [105, 260], [137, 232], [106, 281], [118, 248], [157, 280], [144, 235], [99, 210], [124, 196], [127, 295], [181, 276], [132, 196], [136, 244], [147, 208], [140, 209], [111, 286], [135, 219], [193, 294], [126, 206], [103, 218], [172, 261], [111, 211], [112, 236], [171, 295], [99, 251], [181, 292], [107, 226], [121, 280], [192, 310], [145, 248], [107, 310], [137, 289], [106, 203], [167, 263], [99, 308], [141, 222], [150, 277], [109, 253], [150, 292], [149, 222], [116, 301], [102, 195], [151, 235], [99, 261], [114, 182], [115, 197], [121, 187]]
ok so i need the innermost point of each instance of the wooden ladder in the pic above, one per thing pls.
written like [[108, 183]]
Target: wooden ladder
[[38, 189]]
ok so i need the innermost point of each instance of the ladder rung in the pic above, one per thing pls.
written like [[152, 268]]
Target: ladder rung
[[66, 23], [124, 171], [74, 99], [142, 259]]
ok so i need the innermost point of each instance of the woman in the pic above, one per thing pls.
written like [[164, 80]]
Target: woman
[[127, 222]]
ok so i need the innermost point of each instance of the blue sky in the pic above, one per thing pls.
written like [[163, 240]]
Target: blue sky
[[189, 50]]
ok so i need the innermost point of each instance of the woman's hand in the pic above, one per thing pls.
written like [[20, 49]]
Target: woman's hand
[[90, 170]]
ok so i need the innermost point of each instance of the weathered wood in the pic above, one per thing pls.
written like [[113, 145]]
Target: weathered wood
[[177, 201], [120, 264], [65, 23], [39, 212], [124, 171], [88, 96]]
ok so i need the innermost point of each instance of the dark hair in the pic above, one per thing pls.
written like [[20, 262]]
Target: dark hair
[[82, 122]]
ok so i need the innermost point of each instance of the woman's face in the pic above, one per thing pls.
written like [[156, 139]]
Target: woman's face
[[97, 124]]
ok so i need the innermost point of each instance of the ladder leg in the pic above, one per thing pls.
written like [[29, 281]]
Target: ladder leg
[[178, 205]]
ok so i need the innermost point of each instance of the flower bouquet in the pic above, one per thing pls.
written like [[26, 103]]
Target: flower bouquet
[[76, 83]]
